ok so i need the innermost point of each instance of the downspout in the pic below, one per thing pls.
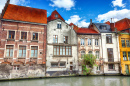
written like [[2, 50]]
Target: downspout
[[102, 53], [118, 51], [45, 37]]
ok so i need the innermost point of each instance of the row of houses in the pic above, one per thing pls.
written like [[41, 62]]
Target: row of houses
[[34, 45]]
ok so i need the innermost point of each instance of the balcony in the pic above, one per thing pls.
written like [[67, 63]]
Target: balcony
[[111, 60]]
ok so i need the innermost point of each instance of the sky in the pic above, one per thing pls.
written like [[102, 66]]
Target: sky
[[80, 12]]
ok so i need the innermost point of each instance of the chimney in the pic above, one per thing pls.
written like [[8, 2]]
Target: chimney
[[112, 26], [90, 21]]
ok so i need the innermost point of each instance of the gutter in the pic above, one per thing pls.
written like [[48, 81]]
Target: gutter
[[22, 22]]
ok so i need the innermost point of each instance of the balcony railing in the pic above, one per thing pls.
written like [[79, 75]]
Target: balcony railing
[[110, 59]]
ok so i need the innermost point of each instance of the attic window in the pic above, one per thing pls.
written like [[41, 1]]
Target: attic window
[[56, 15], [104, 27]]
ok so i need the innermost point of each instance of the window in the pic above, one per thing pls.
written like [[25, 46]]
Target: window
[[90, 52], [98, 68], [97, 54], [34, 51], [128, 43], [129, 55], [23, 35], [111, 66], [123, 42], [62, 50], [82, 54], [35, 36], [22, 51], [110, 55], [58, 64], [104, 28], [82, 41], [16, 67], [56, 15], [54, 64], [11, 34], [89, 41], [65, 39], [59, 25], [55, 39], [96, 42], [124, 56], [9, 51], [109, 38], [62, 64]]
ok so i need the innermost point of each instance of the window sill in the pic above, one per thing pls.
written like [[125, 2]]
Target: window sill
[[23, 40], [33, 57], [21, 57], [61, 56], [111, 70], [109, 43], [96, 45], [8, 57], [34, 40], [10, 39]]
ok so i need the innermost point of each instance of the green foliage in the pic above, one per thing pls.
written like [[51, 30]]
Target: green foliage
[[88, 59]]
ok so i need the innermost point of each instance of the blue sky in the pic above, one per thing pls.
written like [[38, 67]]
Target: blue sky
[[81, 11]]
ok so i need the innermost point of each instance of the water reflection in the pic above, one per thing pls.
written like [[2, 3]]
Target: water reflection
[[73, 81]]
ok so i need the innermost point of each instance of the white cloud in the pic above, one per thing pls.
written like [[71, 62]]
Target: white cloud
[[16, 2], [116, 14], [118, 3], [67, 4], [77, 21]]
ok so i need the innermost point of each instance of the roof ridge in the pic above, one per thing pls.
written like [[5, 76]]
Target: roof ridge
[[27, 7]]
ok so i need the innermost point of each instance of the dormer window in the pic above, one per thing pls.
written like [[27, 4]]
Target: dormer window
[[56, 15], [104, 27]]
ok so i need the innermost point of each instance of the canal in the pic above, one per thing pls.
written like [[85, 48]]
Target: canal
[[73, 81]]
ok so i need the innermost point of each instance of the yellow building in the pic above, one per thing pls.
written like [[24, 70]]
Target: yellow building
[[124, 44], [123, 28]]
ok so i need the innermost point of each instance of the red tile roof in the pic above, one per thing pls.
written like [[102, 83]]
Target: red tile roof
[[86, 31], [52, 16], [107, 22], [74, 27], [122, 24], [28, 14]]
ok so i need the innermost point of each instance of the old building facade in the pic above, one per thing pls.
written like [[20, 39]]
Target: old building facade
[[61, 47], [110, 48], [89, 42], [23, 42]]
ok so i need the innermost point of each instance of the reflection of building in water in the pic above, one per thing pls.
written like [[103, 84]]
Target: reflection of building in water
[[112, 81]]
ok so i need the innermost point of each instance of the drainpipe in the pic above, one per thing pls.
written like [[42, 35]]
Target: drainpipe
[[102, 53]]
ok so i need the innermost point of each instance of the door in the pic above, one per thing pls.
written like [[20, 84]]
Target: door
[[127, 69]]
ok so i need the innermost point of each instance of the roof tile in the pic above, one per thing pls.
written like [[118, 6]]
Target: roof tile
[[28, 14]]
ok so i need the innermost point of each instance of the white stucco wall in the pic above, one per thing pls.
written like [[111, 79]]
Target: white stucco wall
[[116, 55], [65, 30]]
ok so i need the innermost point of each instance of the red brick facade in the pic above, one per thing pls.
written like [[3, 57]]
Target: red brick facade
[[18, 28]]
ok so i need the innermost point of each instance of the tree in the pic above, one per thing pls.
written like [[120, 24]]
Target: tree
[[88, 60]]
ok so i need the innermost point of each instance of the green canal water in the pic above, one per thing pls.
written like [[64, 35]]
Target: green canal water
[[73, 81]]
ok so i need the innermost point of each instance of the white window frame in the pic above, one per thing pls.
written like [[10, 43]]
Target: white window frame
[[96, 42], [82, 42], [89, 42]]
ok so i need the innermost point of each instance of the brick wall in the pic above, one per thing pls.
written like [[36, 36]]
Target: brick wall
[[29, 28]]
